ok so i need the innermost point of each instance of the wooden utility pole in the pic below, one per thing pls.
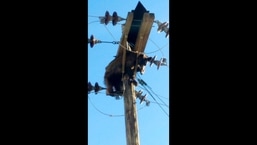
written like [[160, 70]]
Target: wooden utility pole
[[130, 108], [132, 133], [136, 31]]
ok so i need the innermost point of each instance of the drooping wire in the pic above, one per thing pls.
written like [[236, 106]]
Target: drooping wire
[[147, 89], [110, 33], [144, 86], [93, 22], [159, 49], [156, 101], [93, 16], [153, 91], [164, 104], [110, 115], [97, 92], [157, 96]]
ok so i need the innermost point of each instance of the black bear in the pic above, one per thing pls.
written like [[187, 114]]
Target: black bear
[[113, 73]]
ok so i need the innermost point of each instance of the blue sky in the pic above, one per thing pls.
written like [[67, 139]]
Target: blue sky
[[152, 121]]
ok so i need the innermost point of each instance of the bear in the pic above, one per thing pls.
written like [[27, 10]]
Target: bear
[[113, 73]]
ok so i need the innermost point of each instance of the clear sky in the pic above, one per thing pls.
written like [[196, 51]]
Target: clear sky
[[153, 122]]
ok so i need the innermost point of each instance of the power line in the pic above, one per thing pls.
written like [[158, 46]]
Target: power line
[[93, 16], [110, 115], [156, 95], [157, 46], [152, 101], [153, 92], [110, 32], [158, 103], [92, 22], [155, 100], [159, 49]]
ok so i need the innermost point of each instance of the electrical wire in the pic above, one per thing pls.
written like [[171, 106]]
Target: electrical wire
[[93, 16], [153, 92], [158, 97], [106, 114], [144, 86], [110, 115], [159, 49], [110, 33], [164, 104], [92, 22], [157, 103]]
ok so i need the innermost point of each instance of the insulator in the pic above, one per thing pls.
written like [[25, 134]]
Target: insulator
[[138, 93], [90, 87], [147, 103], [92, 41], [142, 98], [107, 18], [167, 34], [152, 60], [164, 61], [142, 82], [98, 88], [114, 18]]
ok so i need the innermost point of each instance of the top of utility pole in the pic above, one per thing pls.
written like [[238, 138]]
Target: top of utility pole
[[137, 28]]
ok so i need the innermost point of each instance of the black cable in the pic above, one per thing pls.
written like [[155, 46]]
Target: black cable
[[154, 92], [110, 115], [156, 101]]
